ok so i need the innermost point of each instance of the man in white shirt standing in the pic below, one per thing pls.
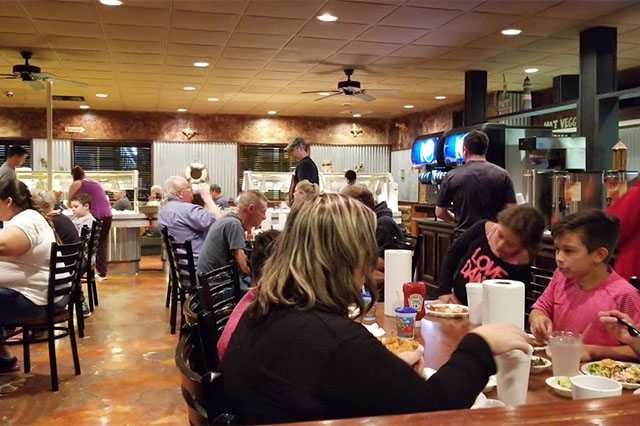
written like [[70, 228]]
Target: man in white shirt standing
[[16, 156]]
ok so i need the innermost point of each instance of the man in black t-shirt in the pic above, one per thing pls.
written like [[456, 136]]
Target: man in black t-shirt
[[478, 189], [306, 168]]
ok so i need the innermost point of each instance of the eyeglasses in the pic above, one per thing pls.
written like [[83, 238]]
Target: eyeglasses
[[186, 187]]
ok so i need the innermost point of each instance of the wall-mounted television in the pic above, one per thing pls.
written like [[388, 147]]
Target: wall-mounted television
[[423, 151], [453, 148]]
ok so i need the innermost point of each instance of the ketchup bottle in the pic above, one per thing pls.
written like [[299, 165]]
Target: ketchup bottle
[[414, 297]]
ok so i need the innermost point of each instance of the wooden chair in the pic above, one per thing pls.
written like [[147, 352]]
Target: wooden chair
[[203, 393], [183, 275], [89, 276], [219, 293], [65, 269], [169, 257], [539, 281]]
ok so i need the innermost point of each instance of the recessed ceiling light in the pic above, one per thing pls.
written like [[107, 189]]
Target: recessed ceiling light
[[182, 110], [324, 93], [101, 95], [189, 88], [213, 99], [111, 2], [531, 70], [327, 17], [272, 112], [84, 106], [201, 64], [441, 97], [511, 31], [357, 115], [408, 106]]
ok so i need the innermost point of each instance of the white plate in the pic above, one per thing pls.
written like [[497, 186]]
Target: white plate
[[491, 384], [636, 392], [537, 348], [374, 329], [446, 314], [551, 382], [585, 370], [540, 368]]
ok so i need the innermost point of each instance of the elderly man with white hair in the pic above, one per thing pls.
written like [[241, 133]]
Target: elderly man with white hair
[[184, 220]]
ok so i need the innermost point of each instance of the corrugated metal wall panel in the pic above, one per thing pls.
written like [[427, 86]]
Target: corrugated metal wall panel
[[630, 136], [374, 158], [220, 159], [61, 154], [407, 187]]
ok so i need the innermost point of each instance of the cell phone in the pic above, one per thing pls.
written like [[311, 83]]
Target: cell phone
[[632, 330]]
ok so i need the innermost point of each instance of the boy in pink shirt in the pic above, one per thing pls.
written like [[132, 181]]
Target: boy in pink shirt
[[584, 284]]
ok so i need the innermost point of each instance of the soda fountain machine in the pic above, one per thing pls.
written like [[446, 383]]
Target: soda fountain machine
[[424, 157]]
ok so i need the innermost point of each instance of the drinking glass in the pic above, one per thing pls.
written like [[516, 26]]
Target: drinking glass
[[566, 349]]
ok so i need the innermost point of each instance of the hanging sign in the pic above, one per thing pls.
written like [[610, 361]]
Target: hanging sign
[[74, 129]]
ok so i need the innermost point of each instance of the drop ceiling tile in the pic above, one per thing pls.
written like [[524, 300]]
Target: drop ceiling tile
[[336, 30], [22, 40], [525, 8], [323, 78], [447, 38], [76, 43], [498, 41], [229, 72], [421, 52], [137, 58], [17, 25], [136, 46], [11, 8], [550, 45], [585, 10], [137, 33], [284, 9], [239, 64], [480, 22], [127, 15], [257, 40], [227, 81], [543, 27], [260, 25], [268, 83], [194, 50], [314, 44], [139, 85], [358, 13], [287, 66], [352, 60], [444, 64], [217, 6], [138, 68], [60, 11], [369, 48], [419, 72], [278, 75], [185, 80], [518, 57], [391, 61], [629, 15], [186, 61], [560, 60], [203, 21], [490, 66], [543, 69], [630, 54], [86, 65], [416, 17], [213, 38], [185, 70], [386, 34], [248, 53], [94, 74], [630, 36], [466, 53], [83, 55], [300, 56]]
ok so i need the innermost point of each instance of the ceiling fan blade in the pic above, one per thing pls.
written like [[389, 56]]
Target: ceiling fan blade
[[389, 91], [328, 96], [35, 85], [326, 91], [364, 97], [58, 80], [9, 75]]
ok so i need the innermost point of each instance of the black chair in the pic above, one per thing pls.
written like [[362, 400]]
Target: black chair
[[169, 258], [65, 269], [539, 281], [219, 292], [78, 296], [635, 282], [203, 393], [183, 275], [415, 245], [89, 276], [205, 356]]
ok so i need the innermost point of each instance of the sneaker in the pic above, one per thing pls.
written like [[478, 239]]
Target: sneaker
[[9, 365], [86, 312], [100, 277]]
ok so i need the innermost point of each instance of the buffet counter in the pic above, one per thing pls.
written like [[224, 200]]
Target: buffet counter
[[124, 242]]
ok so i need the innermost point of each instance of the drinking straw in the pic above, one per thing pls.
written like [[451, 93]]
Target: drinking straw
[[586, 330]]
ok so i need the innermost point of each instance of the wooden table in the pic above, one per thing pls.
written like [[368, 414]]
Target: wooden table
[[440, 338]]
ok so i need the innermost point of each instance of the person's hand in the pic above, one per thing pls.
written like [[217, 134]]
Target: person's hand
[[203, 190], [619, 331], [502, 337], [449, 298], [414, 358], [588, 353], [541, 327]]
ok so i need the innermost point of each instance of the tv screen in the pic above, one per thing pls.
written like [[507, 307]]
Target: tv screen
[[453, 148], [424, 151]]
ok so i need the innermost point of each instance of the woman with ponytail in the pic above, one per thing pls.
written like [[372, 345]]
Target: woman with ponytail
[[25, 244]]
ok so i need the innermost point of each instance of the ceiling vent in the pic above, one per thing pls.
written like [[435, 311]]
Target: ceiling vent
[[69, 98]]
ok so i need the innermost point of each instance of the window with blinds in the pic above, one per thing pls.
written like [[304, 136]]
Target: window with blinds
[[116, 156], [7, 143], [261, 158]]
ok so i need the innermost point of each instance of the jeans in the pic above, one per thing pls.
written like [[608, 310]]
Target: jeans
[[14, 307], [102, 251]]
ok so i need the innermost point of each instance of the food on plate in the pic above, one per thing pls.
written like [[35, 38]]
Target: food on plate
[[533, 341], [448, 309], [396, 345], [564, 381], [537, 361], [618, 371]]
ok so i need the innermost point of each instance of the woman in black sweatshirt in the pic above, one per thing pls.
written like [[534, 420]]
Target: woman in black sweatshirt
[[296, 356]]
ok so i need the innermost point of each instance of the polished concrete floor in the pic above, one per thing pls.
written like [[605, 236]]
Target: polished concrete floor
[[127, 359]]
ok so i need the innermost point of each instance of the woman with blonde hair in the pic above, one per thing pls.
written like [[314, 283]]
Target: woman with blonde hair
[[296, 356], [305, 189]]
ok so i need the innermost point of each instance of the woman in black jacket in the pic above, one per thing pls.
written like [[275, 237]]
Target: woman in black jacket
[[296, 356]]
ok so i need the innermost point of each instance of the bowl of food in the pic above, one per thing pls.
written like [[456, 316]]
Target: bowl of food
[[539, 364], [446, 310], [561, 385], [626, 373]]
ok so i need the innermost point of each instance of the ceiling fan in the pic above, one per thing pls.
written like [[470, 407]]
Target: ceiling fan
[[351, 88], [32, 75]]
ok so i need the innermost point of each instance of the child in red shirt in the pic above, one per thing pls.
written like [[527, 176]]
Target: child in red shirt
[[584, 284]]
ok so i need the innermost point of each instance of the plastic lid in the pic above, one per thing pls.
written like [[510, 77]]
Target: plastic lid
[[366, 294], [406, 310]]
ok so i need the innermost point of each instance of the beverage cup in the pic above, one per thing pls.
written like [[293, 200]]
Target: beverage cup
[[474, 300], [405, 322], [513, 376], [586, 387], [566, 349], [370, 315]]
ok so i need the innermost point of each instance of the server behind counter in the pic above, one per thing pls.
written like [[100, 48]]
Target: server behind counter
[[478, 189]]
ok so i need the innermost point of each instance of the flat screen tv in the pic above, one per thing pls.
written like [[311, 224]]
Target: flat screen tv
[[453, 148], [423, 151]]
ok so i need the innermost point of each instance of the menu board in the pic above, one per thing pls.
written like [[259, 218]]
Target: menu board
[[423, 151], [453, 148]]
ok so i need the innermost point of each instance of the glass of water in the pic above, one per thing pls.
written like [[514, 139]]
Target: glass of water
[[566, 350]]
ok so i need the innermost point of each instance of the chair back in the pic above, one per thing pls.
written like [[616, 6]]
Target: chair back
[[539, 281], [415, 245], [92, 243], [203, 393], [65, 270], [219, 293], [635, 282], [183, 266]]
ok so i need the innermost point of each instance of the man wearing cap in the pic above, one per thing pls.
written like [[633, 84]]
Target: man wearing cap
[[306, 168]]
